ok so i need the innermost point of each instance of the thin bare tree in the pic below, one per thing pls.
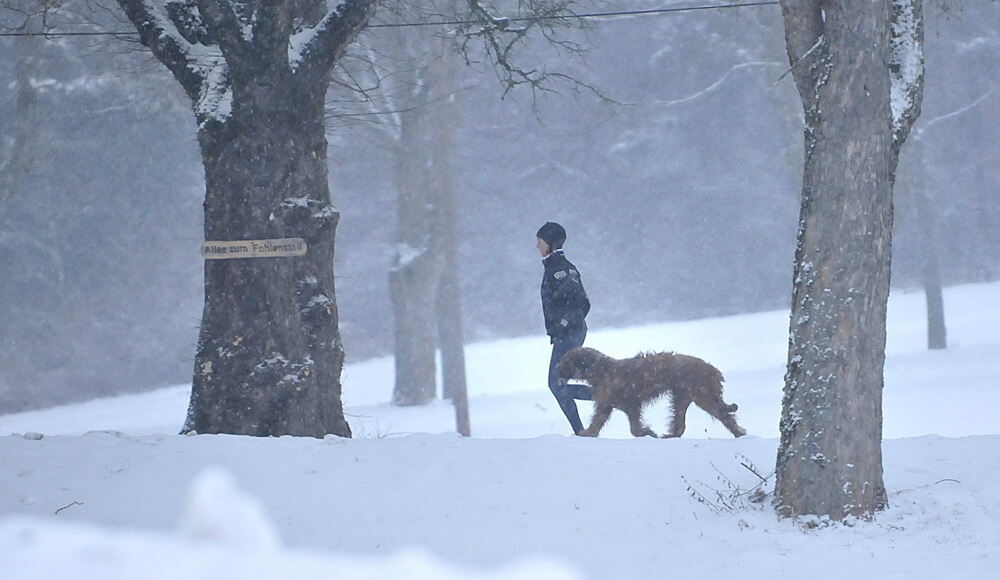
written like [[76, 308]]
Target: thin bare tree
[[927, 221]]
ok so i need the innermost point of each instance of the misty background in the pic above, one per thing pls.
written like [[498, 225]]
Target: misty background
[[680, 202]]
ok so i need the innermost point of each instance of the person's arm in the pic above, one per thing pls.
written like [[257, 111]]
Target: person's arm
[[569, 299]]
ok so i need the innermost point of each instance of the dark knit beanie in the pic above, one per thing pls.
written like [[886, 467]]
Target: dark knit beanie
[[552, 234]]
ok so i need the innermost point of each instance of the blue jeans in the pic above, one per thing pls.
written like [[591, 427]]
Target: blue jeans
[[564, 392]]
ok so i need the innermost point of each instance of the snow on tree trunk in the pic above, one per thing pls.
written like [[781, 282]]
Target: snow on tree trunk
[[830, 458], [269, 354]]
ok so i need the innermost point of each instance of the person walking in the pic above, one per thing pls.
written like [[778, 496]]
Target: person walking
[[565, 306]]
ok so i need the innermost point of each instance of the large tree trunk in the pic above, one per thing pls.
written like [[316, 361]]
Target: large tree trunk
[[269, 354], [423, 279], [418, 263], [830, 458], [425, 289]]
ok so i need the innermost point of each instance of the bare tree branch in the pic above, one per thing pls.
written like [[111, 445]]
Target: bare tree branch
[[67, 506], [718, 83], [28, 15], [500, 39], [804, 40], [801, 59], [925, 126], [168, 46], [330, 38]]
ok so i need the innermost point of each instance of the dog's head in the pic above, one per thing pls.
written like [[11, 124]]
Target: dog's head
[[579, 364]]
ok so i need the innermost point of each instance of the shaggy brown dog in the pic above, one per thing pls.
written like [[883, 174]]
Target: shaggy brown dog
[[630, 384]]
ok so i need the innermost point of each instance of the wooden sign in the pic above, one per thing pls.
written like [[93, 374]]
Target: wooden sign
[[282, 248]]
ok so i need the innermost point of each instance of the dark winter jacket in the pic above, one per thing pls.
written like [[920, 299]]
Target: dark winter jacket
[[564, 301]]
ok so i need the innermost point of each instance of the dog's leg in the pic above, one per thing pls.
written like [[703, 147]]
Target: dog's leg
[[636, 424], [730, 422], [679, 407], [711, 401], [601, 413]]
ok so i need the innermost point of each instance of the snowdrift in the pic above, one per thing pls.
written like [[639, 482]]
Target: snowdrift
[[106, 489]]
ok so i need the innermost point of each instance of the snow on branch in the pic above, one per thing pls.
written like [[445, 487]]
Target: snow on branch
[[215, 97], [177, 34], [299, 43], [187, 20], [405, 255], [159, 32], [225, 27], [325, 42], [906, 65]]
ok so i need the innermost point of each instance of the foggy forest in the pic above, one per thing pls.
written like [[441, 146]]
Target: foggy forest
[[797, 195], [680, 201]]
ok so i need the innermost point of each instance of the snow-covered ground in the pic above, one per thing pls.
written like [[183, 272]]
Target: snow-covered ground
[[407, 499]]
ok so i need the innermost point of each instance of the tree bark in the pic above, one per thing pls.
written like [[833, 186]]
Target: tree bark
[[269, 353], [424, 277], [830, 458], [937, 334], [451, 336], [452, 339], [418, 264], [928, 239]]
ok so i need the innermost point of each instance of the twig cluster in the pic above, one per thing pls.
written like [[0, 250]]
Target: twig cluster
[[27, 16], [500, 37], [732, 497]]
